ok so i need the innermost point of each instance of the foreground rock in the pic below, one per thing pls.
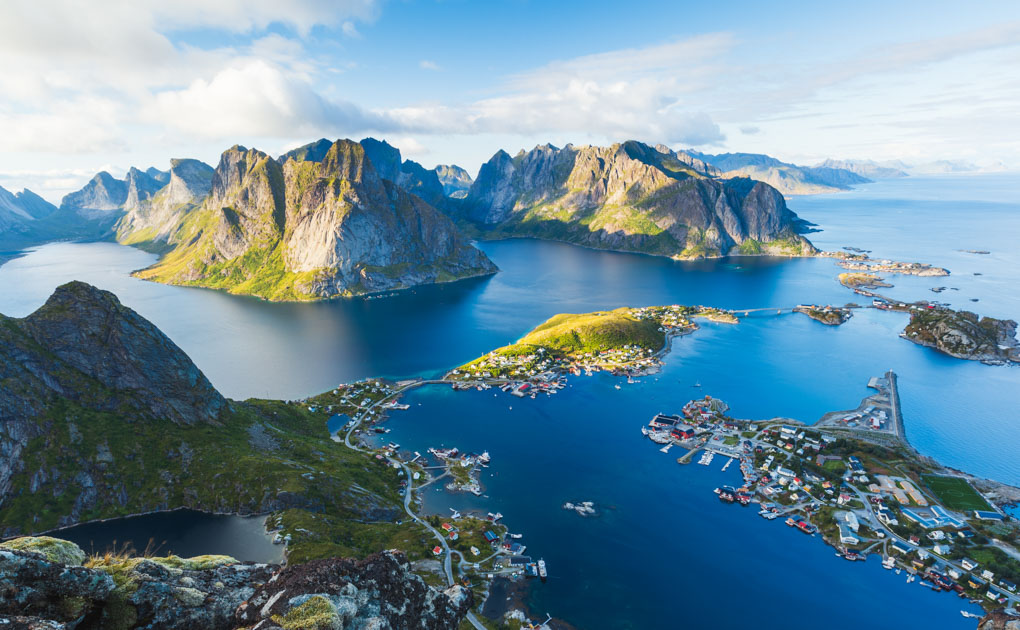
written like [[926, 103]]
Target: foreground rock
[[378, 592], [631, 197], [964, 335], [48, 583]]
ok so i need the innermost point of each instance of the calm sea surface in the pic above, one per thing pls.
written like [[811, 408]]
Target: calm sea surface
[[665, 552]]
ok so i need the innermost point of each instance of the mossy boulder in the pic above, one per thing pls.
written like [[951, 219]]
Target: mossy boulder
[[317, 613], [52, 549]]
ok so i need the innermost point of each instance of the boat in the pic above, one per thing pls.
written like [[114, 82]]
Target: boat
[[727, 494], [516, 536], [888, 562], [541, 569], [698, 384], [494, 517]]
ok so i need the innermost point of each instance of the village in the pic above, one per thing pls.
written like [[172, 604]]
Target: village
[[525, 369], [854, 482]]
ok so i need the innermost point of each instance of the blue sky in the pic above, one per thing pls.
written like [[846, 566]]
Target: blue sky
[[451, 81]]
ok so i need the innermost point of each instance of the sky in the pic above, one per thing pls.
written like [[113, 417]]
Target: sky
[[110, 84]]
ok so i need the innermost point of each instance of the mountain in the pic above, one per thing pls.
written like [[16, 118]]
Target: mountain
[[151, 223], [19, 211], [867, 168], [789, 179], [407, 174], [140, 188], [98, 199], [939, 167], [102, 415], [454, 180], [307, 229], [24, 220], [629, 197]]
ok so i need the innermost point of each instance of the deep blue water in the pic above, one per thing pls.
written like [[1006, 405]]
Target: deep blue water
[[667, 554]]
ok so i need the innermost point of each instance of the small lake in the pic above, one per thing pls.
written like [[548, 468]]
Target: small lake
[[184, 533]]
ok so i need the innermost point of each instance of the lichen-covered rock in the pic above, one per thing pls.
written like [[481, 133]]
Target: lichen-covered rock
[[31, 584], [215, 593], [52, 549], [379, 592]]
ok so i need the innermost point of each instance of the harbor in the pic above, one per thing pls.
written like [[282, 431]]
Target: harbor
[[815, 477]]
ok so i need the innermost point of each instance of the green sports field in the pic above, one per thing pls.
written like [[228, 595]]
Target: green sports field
[[955, 493]]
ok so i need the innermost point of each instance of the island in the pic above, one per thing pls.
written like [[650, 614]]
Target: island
[[828, 315], [963, 334]]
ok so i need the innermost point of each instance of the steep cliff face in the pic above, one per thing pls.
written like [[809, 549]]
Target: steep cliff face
[[152, 221], [630, 197], [50, 583], [102, 415], [311, 229]]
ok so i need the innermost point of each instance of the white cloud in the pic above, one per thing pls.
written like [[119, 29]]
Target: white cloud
[[425, 64], [256, 98]]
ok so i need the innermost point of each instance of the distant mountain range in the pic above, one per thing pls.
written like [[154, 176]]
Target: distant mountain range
[[336, 218], [629, 197], [789, 179]]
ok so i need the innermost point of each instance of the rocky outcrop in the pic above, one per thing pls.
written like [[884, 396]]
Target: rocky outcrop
[[630, 197], [964, 335], [39, 589], [308, 229], [455, 180], [377, 592]]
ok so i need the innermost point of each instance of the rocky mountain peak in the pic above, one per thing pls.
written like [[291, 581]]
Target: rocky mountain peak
[[83, 333], [102, 194], [311, 152]]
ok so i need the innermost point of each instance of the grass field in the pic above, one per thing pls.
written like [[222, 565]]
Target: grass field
[[955, 493]]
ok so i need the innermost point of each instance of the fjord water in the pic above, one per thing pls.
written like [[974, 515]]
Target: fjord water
[[667, 549]]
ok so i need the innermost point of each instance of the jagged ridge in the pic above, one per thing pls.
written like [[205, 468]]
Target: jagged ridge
[[630, 197]]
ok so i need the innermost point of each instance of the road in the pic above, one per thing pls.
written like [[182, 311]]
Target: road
[[409, 493]]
